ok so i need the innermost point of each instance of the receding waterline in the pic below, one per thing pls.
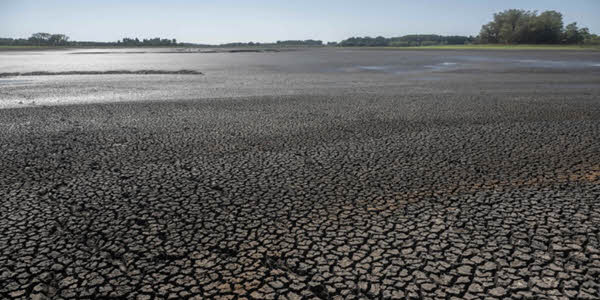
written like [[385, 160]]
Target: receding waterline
[[110, 72]]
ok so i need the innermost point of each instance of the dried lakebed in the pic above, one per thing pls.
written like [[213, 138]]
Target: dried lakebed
[[466, 187]]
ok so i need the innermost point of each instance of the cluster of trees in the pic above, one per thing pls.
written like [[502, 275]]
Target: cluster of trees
[[47, 39], [278, 43], [516, 26], [241, 44], [38, 39], [147, 42], [14, 42], [408, 40], [300, 43]]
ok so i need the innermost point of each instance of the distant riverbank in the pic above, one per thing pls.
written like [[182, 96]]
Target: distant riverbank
[[256, 48]]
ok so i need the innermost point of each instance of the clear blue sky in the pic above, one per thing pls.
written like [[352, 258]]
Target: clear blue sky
[[220, 21]]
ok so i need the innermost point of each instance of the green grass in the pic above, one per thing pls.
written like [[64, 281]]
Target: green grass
[[495, 47], [9, 48]]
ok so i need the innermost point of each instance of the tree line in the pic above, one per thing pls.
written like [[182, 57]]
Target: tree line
[[49, 39], [300, 43], [278, 43], [147, 42], [513, 26], [407, 41]]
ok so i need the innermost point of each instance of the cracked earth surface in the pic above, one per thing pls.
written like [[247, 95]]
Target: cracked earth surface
[[426, 195]]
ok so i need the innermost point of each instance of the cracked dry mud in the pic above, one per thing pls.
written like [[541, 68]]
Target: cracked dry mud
[[436, 195]]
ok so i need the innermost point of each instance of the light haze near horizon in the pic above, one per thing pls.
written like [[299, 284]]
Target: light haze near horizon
[[224, 21]]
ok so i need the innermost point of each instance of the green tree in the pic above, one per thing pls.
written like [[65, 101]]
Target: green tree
[[547, 27], [515, 26], [58, 40], [488, 34], [574, 35], [40, 38], [512, 25]]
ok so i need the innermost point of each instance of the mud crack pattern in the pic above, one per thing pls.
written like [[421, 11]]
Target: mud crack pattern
[[433, 196]]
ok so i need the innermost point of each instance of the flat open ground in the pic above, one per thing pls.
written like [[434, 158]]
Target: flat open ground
[[323, 173]]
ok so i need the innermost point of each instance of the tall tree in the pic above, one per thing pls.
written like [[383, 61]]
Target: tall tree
[[574, 35], [40, 38], [548, 27], [58, 40], [515, 26]]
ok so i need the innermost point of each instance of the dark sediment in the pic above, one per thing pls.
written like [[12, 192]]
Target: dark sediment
[[112, 72]]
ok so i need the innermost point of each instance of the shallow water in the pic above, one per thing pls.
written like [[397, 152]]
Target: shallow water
[[307, 71]]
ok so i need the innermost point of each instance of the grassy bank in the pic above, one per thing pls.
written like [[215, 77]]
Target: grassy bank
[[495, 47]]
